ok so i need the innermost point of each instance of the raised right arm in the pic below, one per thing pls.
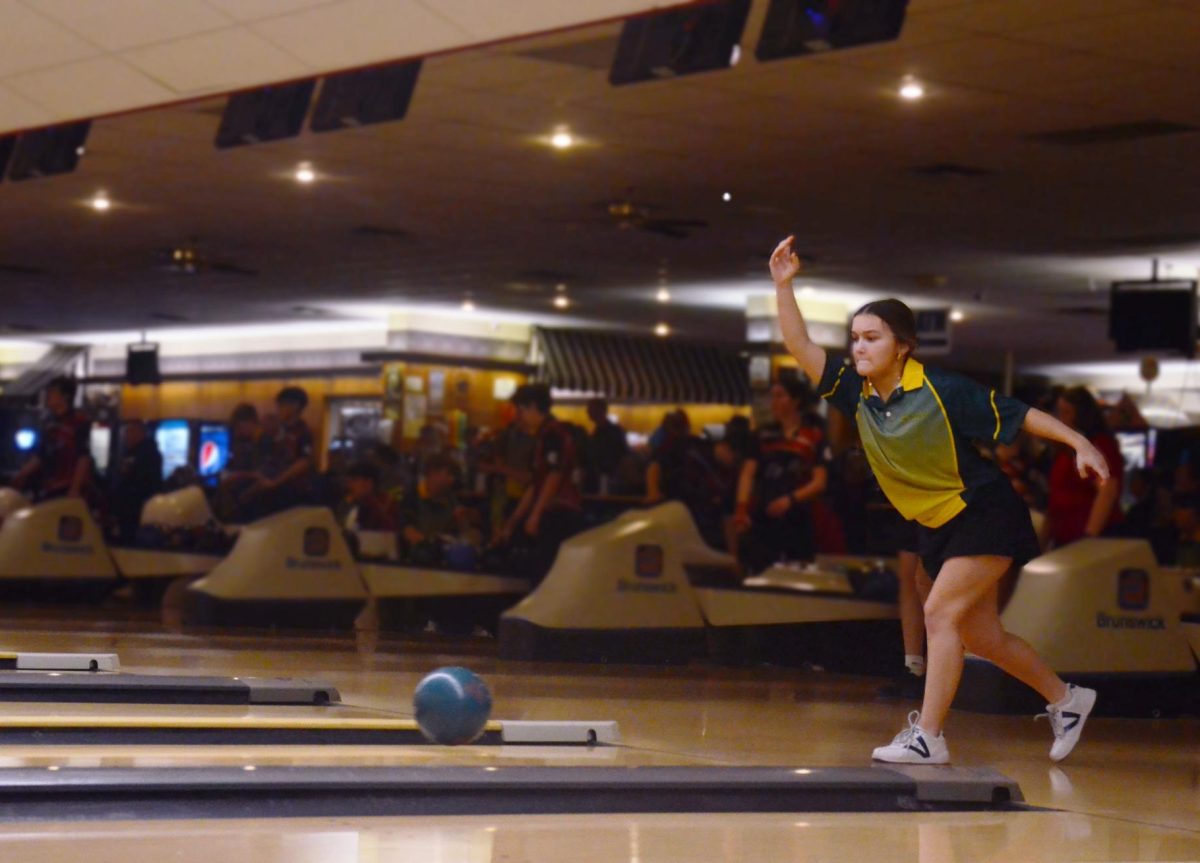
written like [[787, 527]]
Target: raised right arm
[[785, 264]]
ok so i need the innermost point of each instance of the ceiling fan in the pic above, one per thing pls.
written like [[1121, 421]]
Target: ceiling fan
[[627, 214], [188, 259]]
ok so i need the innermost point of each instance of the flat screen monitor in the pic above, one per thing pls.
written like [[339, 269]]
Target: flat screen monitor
[[1153, 316], [174, 439], [213, 451]]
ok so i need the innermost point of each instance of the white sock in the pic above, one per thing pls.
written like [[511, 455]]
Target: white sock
[[915, 664], [1066, 699]]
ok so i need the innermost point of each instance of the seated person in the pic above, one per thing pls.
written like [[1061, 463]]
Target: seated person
[[431, 518], [371, 509]]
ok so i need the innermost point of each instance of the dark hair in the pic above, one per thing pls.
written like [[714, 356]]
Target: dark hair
[[797, 390], [738, 436], [65, 385], [293, 395], [363, 470], [597, 403], [244, 413], [1089, 419], [533, 395], [899, 318], [384, 453], [439, 461]]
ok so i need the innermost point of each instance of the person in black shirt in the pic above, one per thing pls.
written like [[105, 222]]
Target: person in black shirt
[[287, 478], [786, 473], [137, 478], [607, 447]]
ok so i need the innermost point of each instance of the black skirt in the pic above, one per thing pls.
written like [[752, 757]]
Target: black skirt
[[996, 523]]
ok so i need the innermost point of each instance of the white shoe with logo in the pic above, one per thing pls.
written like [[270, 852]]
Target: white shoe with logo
[[1067, 719], [914, 745]]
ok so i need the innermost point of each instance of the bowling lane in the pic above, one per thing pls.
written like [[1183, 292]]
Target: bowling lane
[[1032, 837], [1136, 769]]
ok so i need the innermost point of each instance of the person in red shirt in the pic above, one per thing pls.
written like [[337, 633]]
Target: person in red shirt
[[62, 466], [1077, 507], [371, 508], [550, 511]]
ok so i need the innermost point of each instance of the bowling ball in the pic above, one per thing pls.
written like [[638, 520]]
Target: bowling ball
[[452, 705], [461, 557]]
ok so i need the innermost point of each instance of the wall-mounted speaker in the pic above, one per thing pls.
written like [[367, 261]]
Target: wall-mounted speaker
[[141, 363]]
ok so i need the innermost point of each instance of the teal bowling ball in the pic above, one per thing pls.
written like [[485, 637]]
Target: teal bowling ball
[[452, 706]]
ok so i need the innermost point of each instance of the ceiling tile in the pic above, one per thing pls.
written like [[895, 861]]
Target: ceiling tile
[[187, 66], [488, 20], [115, 25], [251, 10], [30, 41], [355, 33], [21, 112], [88, 88]]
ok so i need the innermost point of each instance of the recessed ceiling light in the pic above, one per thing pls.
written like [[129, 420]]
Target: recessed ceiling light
[[911, 90], [956, 315], [101, 203], [468, 306], [561, 139], [561, 288], [305, 173], [663, 295], [727, 197], [561, 302], [662, 330]]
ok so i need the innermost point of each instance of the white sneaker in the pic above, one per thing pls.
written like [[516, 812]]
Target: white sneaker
[[1067, 720], [914, 745]]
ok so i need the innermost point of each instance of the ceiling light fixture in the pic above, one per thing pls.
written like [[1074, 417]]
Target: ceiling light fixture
[[662, 330], [468, 305], [911, 90], [561, 139], [561, 302], [727, 197], [305, 173], [100, 203], [663, 295], [956, 315]]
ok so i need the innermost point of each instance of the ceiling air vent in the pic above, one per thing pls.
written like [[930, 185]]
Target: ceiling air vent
[[381, 231], [1112, 133], [950, 171], [21, 270]]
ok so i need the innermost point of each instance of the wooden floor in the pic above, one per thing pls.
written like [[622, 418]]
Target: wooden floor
[[1131, 791]]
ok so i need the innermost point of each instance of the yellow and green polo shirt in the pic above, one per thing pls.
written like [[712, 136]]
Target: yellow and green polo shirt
[[919, 441]]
